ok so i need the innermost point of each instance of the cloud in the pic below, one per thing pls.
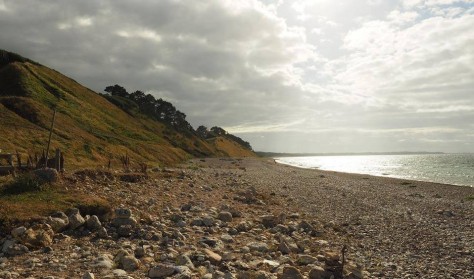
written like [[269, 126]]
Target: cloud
[[312, 75]]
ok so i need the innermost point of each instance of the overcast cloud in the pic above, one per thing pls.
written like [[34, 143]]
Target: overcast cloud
[[292, 76]]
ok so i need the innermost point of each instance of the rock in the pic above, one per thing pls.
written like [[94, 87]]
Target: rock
[[16, 250], [227, 238], [208, 221], [243, 226], [124, 231], [306, 260], [75, 219], [290, 272], [39, 235], [197, 222], [208, 241], [213, 257], [139, 252], [18, 232], [7, 243], [123, 217], [104, 261], [126, 261], [58, 221], [318, 272], [283, 247], [88, 275], [331, 258], [119, 273], [123, 213], [57, 224], [47, 175], [102, 233], [130, 263], [271, 264], [258, 246], [161, 270], [93, 223], [269, 221], [184, 260], [225, 216], [184, 272], [186, 207]]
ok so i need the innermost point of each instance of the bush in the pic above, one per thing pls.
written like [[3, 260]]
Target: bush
[[25, 183]]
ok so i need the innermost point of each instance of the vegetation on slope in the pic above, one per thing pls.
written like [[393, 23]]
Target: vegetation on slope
[[89, 128]]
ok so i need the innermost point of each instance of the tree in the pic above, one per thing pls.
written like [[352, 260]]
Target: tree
[[202, 132], [117, 90]]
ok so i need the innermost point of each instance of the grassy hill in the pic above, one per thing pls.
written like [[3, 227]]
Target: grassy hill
[[89, 129]]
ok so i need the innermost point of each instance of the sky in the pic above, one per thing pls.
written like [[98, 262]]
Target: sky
[[287, 76]]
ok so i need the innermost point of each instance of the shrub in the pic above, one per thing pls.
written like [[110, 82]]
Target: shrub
[[25, 183]]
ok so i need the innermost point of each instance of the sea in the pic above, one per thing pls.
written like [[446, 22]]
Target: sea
[[454, 169]]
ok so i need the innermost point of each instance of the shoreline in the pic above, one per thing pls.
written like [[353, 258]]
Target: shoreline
[[374, 175]]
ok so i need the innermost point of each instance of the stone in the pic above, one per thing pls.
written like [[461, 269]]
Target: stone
[[18, 232], [305, 260], [225, 216], [258, 246], [129, 263], [88, 275], [16, 250], [139, 252], [119, 273], [93, 223], [318, 272], [118, 222], [58, 221], [102, 233], [75, 219], [197, 222], [208, 241], [38, 236], [104, 261], [126, 261], [227, 238], [184, 272], [184, 260], [161, 270], [124, 231], [57, 224], [331, 258], [283, 247], [272, 264], [123, 213], [208, 221], [186, 207], [212, 256], [269, 221], [291, 272]]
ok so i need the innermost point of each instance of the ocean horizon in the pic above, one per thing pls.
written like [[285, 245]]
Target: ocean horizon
[[446, 168]]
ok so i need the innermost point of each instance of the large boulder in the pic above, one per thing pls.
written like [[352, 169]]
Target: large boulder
[[38, 236], [93, 223], [75, 219], [58, 221]]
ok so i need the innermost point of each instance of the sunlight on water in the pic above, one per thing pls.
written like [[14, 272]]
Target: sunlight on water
[[455, 169]]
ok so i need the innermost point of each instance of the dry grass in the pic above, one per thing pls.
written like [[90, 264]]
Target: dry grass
[[32, 203], [89, 129]]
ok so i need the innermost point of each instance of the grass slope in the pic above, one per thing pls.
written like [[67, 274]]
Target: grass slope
[[88, 128]]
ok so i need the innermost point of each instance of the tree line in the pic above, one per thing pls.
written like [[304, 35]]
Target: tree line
[[163, 111]]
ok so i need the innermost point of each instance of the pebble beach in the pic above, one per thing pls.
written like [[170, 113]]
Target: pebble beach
[[250, 218]]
